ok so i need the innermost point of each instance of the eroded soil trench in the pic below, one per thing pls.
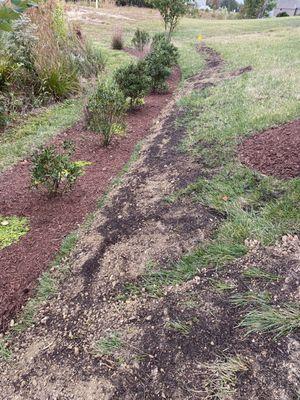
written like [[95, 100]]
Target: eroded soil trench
[[58, 359]]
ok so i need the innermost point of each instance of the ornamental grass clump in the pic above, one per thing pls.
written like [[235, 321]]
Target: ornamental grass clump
[[106, 110], [134, 82]]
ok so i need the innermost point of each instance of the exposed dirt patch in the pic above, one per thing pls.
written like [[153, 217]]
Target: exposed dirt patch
[[51, 220], [275, 151]]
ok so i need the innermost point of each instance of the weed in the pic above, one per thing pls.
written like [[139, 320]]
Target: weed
[[180, 327], [246, 298], [12, 229], [258, 273], [221, 377], [268, 319], [5, 353], [222, 286], [108, 345]]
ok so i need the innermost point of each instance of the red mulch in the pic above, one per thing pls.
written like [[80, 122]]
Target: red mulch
[[51, 220], [274, 152]]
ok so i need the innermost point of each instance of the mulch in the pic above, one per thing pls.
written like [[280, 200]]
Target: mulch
[[52, 219], [275, 151]]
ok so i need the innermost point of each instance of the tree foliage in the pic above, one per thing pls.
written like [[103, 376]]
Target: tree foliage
[[257, 8], [171, 11]]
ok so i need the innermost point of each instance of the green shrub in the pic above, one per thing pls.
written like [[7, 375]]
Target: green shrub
[[117, 42], [105, 110], [133, 81], [282, 14], [140, 39], [169, 52], [59, 81], [163, 56], [53, 170]]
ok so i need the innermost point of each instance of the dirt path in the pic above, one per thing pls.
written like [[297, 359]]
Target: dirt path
[[152, 347]]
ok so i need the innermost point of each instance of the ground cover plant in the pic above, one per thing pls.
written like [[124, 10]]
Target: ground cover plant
[[11, 230]]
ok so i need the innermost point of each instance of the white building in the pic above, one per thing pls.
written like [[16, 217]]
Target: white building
[[200, 4]]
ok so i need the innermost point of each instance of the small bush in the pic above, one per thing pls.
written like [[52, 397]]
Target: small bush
[[117, 42], [134, 82], [105, 110], [169, 51], [140, 39], [163, 56], [53, 170], [282, 14]]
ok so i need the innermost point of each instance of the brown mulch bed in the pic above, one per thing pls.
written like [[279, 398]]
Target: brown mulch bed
[[274, 152], [51, 220]]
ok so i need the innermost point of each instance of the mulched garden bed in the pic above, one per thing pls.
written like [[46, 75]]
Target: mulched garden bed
[[275, 151], [52, 219]]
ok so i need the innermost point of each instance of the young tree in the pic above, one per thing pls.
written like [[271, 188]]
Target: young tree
[[171, 11]]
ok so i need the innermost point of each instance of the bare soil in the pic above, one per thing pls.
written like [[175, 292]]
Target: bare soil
[[275, 151], [52, 219]]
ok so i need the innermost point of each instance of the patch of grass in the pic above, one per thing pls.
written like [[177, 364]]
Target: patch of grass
[[222, 286], [12, 229], [5, 353], [221, 377], [66, 247], [258, 273], [276, 321], [18, 142], [47, 286], [253, 298], [108, 345], [178, 326]]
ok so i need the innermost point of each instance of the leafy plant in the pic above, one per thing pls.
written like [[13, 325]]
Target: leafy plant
[[3, 116], [133, 82], [140, 39], [117, 42], [11, 12], [105, 110], [171, 11], [11, 229], [162, 57], [60, 80], [53, 170]]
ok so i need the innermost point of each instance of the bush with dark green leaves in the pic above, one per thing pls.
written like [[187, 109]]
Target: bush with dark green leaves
[[140, 39], [282, 14], [163, 45], [137, 3], [163, 57], [106, 110], [54, 171], [134, 82]]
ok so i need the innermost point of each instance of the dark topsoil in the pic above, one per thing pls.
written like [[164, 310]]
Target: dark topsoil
[[51, 220], [275, 151]]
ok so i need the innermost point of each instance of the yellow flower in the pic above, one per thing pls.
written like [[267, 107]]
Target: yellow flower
[[200, 37]]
